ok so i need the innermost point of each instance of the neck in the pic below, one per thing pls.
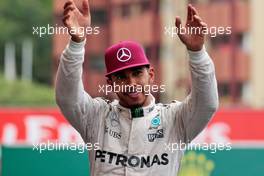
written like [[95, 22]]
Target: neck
[[147, 101]]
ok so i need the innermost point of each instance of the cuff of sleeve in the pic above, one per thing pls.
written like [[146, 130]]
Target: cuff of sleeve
[[197, 57], [75, 47]]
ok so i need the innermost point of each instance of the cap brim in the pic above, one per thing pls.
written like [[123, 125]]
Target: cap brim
[[126, 67]]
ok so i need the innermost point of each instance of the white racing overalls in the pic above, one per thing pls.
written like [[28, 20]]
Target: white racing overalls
[[135, 142]]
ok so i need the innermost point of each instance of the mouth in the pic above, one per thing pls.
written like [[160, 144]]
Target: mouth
[[133, 94]]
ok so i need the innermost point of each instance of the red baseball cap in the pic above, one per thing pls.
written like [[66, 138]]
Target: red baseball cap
[[124, 55]]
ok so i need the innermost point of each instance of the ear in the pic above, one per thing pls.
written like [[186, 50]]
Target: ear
[[151, 73]]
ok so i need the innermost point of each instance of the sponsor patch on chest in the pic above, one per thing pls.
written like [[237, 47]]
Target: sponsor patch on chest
[[158, 134], [113, 133]]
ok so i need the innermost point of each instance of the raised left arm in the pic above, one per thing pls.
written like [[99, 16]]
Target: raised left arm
[[194, 113]]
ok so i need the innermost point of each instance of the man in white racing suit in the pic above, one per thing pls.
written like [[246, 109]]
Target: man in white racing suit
[[134, 133]]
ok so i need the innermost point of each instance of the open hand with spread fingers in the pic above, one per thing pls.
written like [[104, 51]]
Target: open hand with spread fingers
[[75, 19], [193, 40]]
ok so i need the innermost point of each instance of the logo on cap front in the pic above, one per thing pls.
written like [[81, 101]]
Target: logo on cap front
[[123, 54]]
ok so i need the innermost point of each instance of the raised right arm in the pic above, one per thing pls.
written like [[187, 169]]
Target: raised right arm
[[80, 109], [76, 105]]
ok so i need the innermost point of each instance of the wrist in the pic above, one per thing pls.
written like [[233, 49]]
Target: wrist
[[194, 49], [199, 56], [77, 39], [76, 47]]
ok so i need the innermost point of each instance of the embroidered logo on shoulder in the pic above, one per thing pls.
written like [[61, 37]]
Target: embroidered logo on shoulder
[[114, 120], [112, 126]]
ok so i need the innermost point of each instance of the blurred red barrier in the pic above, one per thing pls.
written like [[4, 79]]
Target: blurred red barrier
[[30, 126], [27, 126]]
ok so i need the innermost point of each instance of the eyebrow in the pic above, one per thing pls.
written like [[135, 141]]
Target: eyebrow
[[137, 68], [118, 74], [132, 69]]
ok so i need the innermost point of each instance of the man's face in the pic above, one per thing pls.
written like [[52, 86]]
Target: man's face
[[131, 83]]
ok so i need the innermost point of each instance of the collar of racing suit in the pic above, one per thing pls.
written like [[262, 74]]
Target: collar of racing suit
[[140, 111]]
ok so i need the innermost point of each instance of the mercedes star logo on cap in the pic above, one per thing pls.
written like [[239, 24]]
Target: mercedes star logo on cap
[[123, 54]]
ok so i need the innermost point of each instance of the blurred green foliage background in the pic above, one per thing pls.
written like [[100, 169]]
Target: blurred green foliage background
[[17, 19], [23, 93]]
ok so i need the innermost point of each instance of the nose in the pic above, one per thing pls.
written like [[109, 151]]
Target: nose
[[131, 84], [131, 80]]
